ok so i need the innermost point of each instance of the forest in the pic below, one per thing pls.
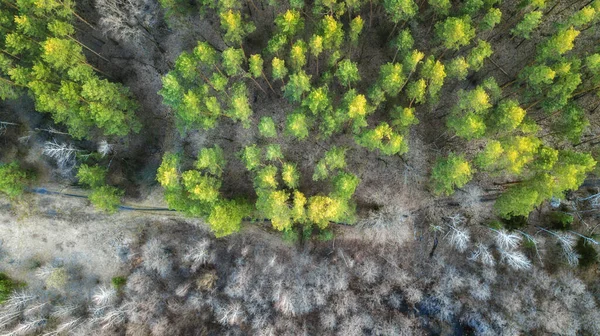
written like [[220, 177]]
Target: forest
[[299, 167]]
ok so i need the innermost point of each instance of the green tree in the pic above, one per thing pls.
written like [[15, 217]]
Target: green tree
[[279, 69], [266, 178], [434, 73], [453, 171], [507, 116], [416, 90], [289, 23], [455, 32], [251, 157], [273, 152], [235, 28], [344, 185], [440, 7], [239, 106], [13, 180], [334, 158], [347, 72], [478, 55], [356, 27], [226, 217], [458, 68], [404, 117], [490, 19], [318, 100], [203, 188], [332, 33], [297, 125], [168, 171], [290, 175], [7, 287], [383, 138], [558, 44], [232, 60], [266, 127], [298, 84], [403, 42], [391, 78], [400, 10], [92, 176], [211, 160], [489, 157], [529, 23], [107, 198], [298, 55], [571, 124]]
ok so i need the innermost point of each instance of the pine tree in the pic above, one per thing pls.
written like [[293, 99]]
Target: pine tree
[[251, 157], [403, 117], [356, 27], [489, 157], [400, 10], [558, 44], [391, 78], [318, 100], [211, 160], [273, 152], [572, 123], [298, 55], [226, 217], [232, 60], [334, 158], [203, 188], [344, 185], [440, 7], [290, 175], [298, 84], [507, 116], [168, 173], [279, 69], [453, 171], [266, 178], [235, 28], [289, 23], [384, 138], [458, 68], [332, 33], [239, 108], [434, 73]]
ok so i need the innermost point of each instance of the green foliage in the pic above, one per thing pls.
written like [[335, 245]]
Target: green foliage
[[273, 152], [347, 72], [404, 117], [251, 157], [226, 216], [322, 210], [453, 171], [298, 55], [316, 45], [490, 19], [232, 60], [279, 69], [107, 198], [266, 178], [411, 61], [318, 100], [458, 68], [13, 180], [297, 125], [440, 7], [7, 286], [391, 78], [434, 73], [273, 205], [490, 155], [455, 32], [356, 26], [118, 282], [289, 23], [400, 10], [298, 84], [587, 252], [255, 65], [92, 176], [168, 174], [235, 28], [571, 123], [332, 33], [471, 7], [558, 44], [560, 220], [416, 90], [266, 127], [507, 116], [334, 158], [529, 23], [290, 175], [344, 185], [211, 160], [583, 17], [384, 138], [403, 41], [478, 55], [517, 201], [239, 108]]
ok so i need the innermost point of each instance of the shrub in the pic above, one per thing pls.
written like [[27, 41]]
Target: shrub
[[107, 198], [13, 179]]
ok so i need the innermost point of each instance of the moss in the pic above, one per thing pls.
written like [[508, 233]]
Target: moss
[[118, 282], [7, 286]]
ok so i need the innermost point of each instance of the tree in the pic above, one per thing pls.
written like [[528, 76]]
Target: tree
[[507, 116], [239, 108], [458, 68], [211, 160], [92, 176], [289, 23], [344, 185], [434, 73], [455, 32], [251, 157], [453, 171], [391, 78], [273, 152], [332, 33], [322, 210], [490, 19], [168, 174], [356, 108], [273, 204], [201, 187], [518, 152], [404, 117], [298, 84], [232, 60], [266, 178], [558, 44], [290, 175], [235, 28], [226, 217], [400, 10], [529, 23], [490, 156], [297, 125], [107, 198], [583, 17], [383, 138], [416, 90], [356, 26], [571, 124], [279, 69], [403, 42], [318, 100], [478, 55], [266, 127], [440, 7], [347, 72], [316, 47], [13, 179], [298, 55], [334, 158]]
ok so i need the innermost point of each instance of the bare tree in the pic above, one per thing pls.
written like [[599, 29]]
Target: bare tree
[[459, 236], [515, 259], [129, 21], [64, 155], [506, 240], [482, 254]]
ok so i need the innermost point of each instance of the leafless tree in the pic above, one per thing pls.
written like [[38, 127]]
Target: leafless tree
[[64, 155], [515, 259], [459, 236], [129, 21]]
